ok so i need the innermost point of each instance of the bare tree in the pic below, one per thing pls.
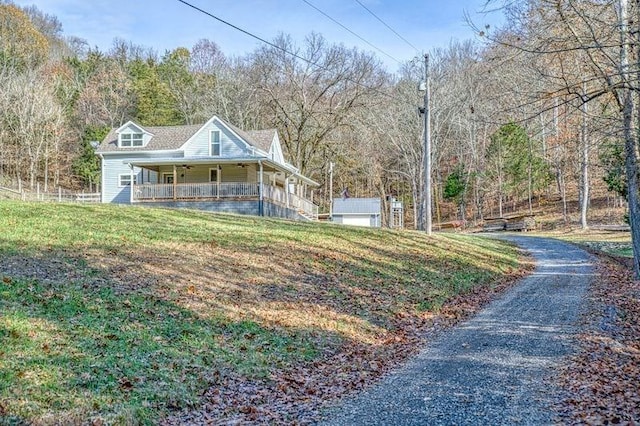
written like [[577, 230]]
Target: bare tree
[[309, 99], [32, 118], [605, 35], [107, 97]]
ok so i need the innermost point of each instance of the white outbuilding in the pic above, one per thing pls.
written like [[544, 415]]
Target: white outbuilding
[[357, 211]]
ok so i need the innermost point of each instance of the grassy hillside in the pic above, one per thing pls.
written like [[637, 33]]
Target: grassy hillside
[[614, 243], [127, 315]]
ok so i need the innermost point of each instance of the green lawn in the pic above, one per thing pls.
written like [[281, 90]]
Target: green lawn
[[611, 242], [126, 314]]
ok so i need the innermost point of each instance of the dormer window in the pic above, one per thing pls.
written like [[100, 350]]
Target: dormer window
[[128, 140]]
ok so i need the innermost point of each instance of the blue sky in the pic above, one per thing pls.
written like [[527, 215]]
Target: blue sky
[[167, 24]]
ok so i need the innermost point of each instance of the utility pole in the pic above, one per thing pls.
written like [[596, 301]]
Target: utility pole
[[427, 149], [331, 190]]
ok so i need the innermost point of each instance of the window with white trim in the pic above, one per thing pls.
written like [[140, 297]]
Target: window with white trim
[[213, 175], [125, 180], [128, 140], [167, 178], [215, 145]]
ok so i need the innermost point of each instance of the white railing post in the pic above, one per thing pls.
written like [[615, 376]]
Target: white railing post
[[131, 184], [286, 190], [209, 190]]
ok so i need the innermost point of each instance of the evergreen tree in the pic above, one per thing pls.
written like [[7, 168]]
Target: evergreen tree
[[455, 187], [87, 165]]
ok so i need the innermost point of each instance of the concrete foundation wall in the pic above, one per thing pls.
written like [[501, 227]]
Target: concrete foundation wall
[[248, 207]]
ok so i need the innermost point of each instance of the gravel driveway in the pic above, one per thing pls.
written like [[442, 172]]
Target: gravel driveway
[[496, 368]]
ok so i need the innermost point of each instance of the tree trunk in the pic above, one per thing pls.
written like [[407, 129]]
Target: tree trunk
[[530, 177], [416, 202], [563, 196], [631, 167], [584, 175], [632, 181]]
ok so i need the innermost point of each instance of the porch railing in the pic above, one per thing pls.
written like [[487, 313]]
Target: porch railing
[[192, 191], [199, 191], [275, 194], [302, 205]]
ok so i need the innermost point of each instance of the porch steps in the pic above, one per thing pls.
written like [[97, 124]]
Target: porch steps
[[306, 216]]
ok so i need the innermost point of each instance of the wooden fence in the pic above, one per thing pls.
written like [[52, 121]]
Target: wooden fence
[[60, 195]]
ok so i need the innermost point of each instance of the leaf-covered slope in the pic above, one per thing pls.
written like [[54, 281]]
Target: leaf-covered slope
[[126, 313]]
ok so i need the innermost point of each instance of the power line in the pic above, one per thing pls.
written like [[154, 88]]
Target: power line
[[387, 25], [352, 32], [245, 31], [282, 49]]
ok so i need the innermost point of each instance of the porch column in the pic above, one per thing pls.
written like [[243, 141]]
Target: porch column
[[175, 183], [131, 183], [261, 189], [218, 180], [286, 189]]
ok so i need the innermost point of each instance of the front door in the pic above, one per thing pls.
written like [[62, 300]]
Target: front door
[[167, 177]]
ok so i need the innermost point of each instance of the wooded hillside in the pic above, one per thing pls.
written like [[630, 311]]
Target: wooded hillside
[[530, 112]]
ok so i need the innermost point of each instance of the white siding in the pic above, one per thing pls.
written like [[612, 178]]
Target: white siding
[[234, 174], [131, 128], [252, 173], [276, 151], [200, 173], [148, 176], [114, 165], [230, 144], [112, 168], [196, 174], [357, 220], [364, 220]]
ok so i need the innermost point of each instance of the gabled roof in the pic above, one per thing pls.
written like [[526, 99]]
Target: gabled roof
[[132, 124], [166, 138], [262, 139], [356, 206]]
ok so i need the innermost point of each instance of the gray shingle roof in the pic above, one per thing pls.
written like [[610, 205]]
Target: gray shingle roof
[[356, 206], [262, 139], [173, 137], [164, 138]]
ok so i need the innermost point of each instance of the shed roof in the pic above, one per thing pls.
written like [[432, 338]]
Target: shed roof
[[356, 206]]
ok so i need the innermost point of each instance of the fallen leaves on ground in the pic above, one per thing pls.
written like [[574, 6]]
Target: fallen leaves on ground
[[601, 382], [297, 395], [221, 319]]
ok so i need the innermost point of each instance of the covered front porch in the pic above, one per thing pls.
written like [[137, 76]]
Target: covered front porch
[[197, 181]]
